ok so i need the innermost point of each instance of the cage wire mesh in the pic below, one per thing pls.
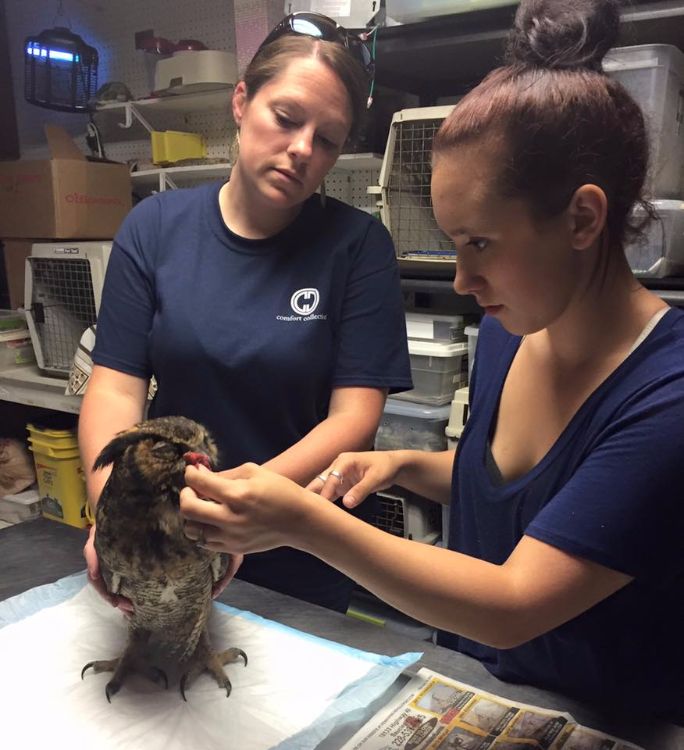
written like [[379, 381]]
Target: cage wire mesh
[[414, 229], [394, 517], [62, 306]]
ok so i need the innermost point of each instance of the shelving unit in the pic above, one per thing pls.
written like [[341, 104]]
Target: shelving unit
[[26, 385], [164, 178], [139, 113], [358, 161], [448, 54], [126, 114]]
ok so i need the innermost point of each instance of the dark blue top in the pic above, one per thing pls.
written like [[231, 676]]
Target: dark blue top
[[249, 337], [609, 490]]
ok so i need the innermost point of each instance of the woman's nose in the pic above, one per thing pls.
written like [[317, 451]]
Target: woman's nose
[[301, 145], [466, 279]]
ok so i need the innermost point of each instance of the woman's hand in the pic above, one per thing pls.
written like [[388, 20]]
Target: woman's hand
[[93, 565], [353, 476], [246, 509]]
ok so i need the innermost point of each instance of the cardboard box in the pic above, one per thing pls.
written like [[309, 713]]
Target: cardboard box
[[64, 197], [15, 253]]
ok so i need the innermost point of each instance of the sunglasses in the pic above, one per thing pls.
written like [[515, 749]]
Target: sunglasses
[[321, 27]]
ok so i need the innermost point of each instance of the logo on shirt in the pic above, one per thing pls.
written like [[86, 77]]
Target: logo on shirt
[[304, 303]]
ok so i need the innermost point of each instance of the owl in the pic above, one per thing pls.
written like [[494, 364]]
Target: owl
[[145, 556]]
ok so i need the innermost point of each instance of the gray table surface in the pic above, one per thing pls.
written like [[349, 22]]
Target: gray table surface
[[41, 551]]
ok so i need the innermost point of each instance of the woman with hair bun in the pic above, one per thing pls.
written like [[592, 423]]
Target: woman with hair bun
[[564, 566]]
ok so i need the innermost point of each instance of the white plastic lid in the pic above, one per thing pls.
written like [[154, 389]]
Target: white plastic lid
[[419, 411], [435, 349]]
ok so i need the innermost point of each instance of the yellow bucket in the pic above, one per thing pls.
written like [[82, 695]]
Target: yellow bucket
[[61, 482]]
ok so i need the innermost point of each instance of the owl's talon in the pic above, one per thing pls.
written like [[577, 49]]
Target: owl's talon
[[112, 688]]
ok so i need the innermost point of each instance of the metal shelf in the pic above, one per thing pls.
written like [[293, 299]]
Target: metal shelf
[[448, 54], [139, 109], [163, 178], [358, 161], [26, 385]]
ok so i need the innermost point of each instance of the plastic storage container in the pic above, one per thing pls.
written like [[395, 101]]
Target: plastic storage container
[[660, 252], [12, 320], [409, 11], [15, 348], [61, 483], [171, 146], [472, 333], [444, 329], [408, 425], [654, 76], [437, 371]]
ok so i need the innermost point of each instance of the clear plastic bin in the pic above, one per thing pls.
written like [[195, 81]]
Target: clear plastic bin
[[407, 425], [410, 11], [12, 320], [437, 371], [15, 348], [660, 252], [654, 76]]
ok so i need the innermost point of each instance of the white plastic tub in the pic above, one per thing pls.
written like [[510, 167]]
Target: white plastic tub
[[444, 329], [654, 75], [437, 370]]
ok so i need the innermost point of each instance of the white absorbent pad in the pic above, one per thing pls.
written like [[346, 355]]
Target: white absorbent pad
[[294, 691]]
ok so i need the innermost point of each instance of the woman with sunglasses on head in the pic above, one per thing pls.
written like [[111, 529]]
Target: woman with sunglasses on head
[[269, 314], [564, 568]]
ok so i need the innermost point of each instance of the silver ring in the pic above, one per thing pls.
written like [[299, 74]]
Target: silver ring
[[323, 478], [337, 475]]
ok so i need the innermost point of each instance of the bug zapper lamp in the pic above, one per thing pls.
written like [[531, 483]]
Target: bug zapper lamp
[[60, 70]]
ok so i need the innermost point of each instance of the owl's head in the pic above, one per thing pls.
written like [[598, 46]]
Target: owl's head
[[157, 450]]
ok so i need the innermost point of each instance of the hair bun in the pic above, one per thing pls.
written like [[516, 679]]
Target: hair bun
[[563, 33]]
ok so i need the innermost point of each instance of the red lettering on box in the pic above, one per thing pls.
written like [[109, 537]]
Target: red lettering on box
[[99, 200]]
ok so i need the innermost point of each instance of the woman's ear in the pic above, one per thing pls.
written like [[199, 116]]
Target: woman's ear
[[239, 101], [587, 214]]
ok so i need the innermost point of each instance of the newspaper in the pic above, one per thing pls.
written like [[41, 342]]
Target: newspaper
[[433, 711]]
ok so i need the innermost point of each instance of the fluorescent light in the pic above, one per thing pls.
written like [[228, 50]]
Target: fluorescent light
[[55, 54]]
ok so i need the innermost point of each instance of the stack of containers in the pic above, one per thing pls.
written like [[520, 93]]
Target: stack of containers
[[61, 482], [654, 76], [417, 419], [15, 340]]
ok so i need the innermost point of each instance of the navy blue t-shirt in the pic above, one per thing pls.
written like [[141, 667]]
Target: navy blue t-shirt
[[249, 337], [609, 490]]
